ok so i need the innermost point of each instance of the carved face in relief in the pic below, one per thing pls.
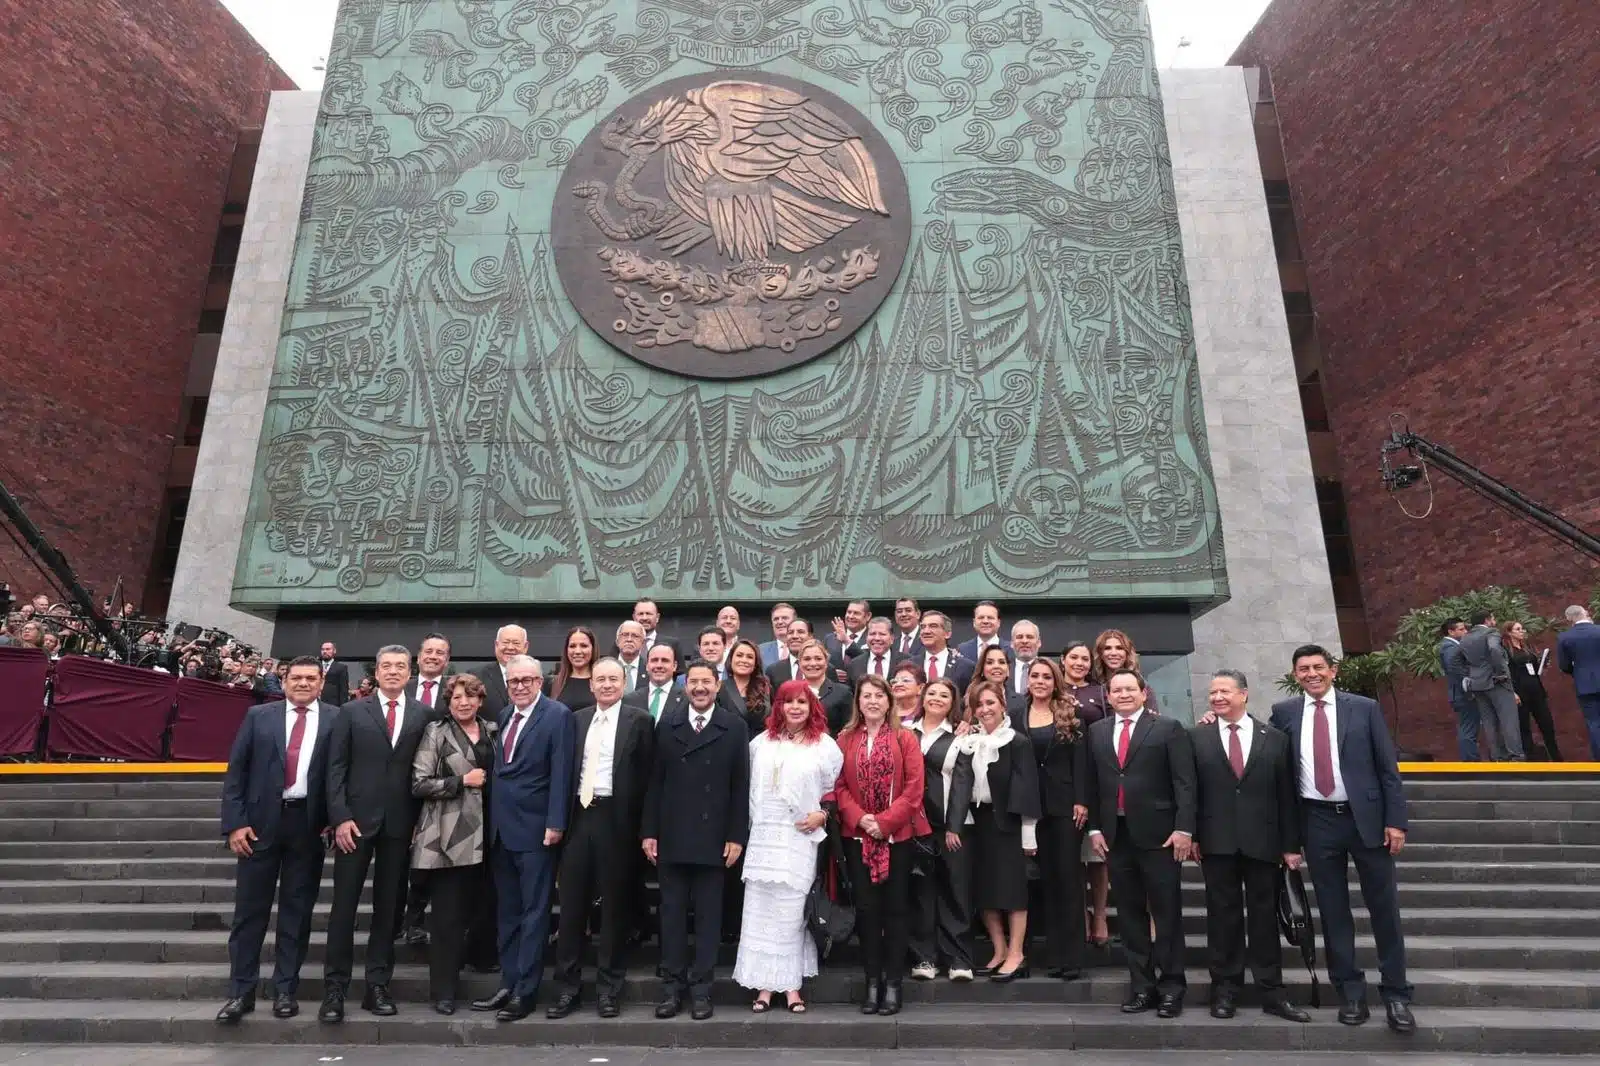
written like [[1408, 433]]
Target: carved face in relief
[[738, 23], [306, 465], [1159, 504], [726, 225]]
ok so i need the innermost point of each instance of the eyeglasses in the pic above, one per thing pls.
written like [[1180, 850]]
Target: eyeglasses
[[902, 679], [518, 682]]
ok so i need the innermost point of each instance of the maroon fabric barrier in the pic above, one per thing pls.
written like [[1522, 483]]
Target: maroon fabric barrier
[[106, 710], [22, 675], [208, 717]]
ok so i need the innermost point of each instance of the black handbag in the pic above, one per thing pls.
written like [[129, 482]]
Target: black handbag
[[1294, 920], [830, 920]]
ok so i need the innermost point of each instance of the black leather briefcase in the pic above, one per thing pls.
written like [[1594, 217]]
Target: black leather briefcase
[[1294, 919]]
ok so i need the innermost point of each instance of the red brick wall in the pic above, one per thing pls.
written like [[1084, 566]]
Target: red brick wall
[[117, 127], [1442, 160]]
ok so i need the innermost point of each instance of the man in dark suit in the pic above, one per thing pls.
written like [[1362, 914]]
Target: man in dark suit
[[1142, 820], [1248, 826], [1025, 643], [937, 658], [1454, 669], [530, 798], [648, 614], [615, 752], [1578, 654], [509, 642], [880, 658], [335, 677], [986, 626], [788, 667], [660, 694], [1489, 686], [373, 813], [696, 823], [775, 649], [630, 653], [273, 814], [849, 637], [907, 626], [1353, 807]]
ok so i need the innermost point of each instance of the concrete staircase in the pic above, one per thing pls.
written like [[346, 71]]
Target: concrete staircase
[[116, 894]]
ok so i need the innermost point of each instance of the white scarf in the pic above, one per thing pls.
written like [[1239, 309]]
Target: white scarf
[[985, 749]]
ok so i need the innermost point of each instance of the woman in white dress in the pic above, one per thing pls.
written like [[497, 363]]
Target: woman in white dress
[[793, 764]]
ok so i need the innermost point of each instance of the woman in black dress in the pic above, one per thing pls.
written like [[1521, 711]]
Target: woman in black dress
[[571, 684], [1049, 720], [1533, 705], [1077, 664], [941, 902], [744, 690], [1005, 813]]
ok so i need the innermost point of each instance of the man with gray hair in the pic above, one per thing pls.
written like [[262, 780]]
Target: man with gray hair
[[1578, 654], [509, 642], [373, 813]]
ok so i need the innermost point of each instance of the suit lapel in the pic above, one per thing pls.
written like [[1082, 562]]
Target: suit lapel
[[1258, 741], [1147, 722], [713, 729], [1341, 707]]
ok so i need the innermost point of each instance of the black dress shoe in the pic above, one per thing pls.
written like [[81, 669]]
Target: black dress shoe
[[494, 1002], [1001, 977], [1065, 973], [377, 1001], [564, 1005], [1354, 1012], [235, 1009], [1170, 1006], [1139, 1002], [700, 1010], [1400, 1019], [1282, 1008], [608, 1007], [444, 1006], [284, 1006], [669, 1007], [1224, 1006], [516, 1009], [332, 1006], [873, 999], [891, 998], [416, 937]]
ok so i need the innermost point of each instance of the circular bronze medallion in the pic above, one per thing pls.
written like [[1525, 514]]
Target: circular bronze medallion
[[730, 224]]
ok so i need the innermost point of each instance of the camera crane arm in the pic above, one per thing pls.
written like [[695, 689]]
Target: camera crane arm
[[1396, 478], [58, 565]]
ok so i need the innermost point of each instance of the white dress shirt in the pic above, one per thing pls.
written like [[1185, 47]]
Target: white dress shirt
[[878, 665], [1019, 674], [600, 747], [308, 744], [1308, 765], [519, 722], [423, 695], [399, 713], [1246, 732], [943, 659], [908, 641]]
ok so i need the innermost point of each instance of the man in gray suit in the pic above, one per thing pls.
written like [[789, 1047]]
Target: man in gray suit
[[1489, 685], [1454, 667]]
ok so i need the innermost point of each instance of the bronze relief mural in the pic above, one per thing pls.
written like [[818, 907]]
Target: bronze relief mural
[[728, 300]]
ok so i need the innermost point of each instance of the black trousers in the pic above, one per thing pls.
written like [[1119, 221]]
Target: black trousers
[[290, 868], [390, 860], [1061, 881], [941, 909], [1148, 885], [1535, 708], [1237, 886], [883, 911], [1332, 842], [685, 888], [458, 891], [596, 861]]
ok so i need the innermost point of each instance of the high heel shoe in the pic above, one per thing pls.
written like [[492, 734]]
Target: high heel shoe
[[1001, 977], [987, 971]]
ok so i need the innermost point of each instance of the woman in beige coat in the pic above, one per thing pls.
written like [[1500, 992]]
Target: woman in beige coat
[[451, 775]]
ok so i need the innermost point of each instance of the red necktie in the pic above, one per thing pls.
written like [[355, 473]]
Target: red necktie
[[427, 692], [877, 665], [297, 736], [933, 667], [511, 734], [1235, 752], [392, 705], [1322, 750], [1122, 754]]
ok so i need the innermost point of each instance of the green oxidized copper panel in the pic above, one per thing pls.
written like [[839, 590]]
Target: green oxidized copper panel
[[1021, 416]]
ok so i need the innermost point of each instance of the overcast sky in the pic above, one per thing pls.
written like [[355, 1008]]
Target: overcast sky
[[296, 32]]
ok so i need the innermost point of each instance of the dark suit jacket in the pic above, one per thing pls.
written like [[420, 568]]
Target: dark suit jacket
[[632, 761], [534, 792], [369, 780], [946, 812], [959, 670], [699, 797], [1366, 761], [1454, 665], [335, 685], [1064, 773], [857, 668], [729, 698], [837, 700], [1487, 663], [1014, 784], [841, 655], [1578, 654], [640, 698], [252, 790], [1258, 814], [1158, 780], [779, 672], [496, 698]]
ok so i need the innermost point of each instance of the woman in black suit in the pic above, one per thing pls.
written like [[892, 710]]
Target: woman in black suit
[[745, 690], [1004, 818], [1050, 722], [835, 698], [1533, 704], [941, 902]]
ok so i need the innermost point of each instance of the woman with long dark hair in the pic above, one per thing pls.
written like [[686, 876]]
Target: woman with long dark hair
[[1533, 704], [941, 903], [879, 793], [745, 689], [571, 684], [793, 764]]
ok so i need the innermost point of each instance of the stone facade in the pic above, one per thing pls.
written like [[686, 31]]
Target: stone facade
[[119, 121], [1277, 563]]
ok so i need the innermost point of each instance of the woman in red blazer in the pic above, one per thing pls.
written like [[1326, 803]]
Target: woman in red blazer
[[880, 808]]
